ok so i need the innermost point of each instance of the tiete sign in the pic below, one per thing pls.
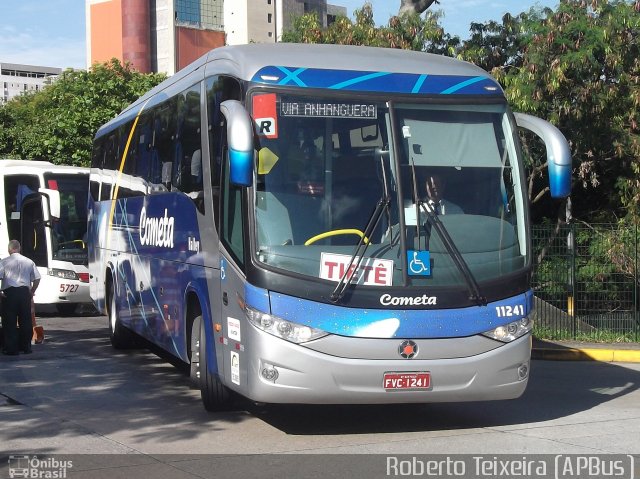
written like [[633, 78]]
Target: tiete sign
[[370, 271]]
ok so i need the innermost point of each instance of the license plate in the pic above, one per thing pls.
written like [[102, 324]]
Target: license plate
[[392, 381]]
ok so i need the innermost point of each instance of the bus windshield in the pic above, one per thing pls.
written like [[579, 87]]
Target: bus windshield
[[449, 171], [68, 233]]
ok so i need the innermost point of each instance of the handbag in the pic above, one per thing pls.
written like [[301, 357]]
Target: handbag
[[38, 331]]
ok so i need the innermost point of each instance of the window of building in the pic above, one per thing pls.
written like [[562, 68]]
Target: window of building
[[202, 13], [269, 17]]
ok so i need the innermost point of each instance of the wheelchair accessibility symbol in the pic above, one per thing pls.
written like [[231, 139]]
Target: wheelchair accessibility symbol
[[419, 263]]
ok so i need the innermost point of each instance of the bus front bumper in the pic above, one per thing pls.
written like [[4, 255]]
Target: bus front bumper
[[284, 372]]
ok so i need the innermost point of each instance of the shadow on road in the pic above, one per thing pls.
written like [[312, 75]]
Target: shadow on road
[[76, 374]]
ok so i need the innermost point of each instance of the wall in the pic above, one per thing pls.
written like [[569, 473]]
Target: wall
[[104, 31], [192, 43]]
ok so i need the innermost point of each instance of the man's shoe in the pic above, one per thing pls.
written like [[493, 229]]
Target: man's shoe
[[10, 353], [27, 351]]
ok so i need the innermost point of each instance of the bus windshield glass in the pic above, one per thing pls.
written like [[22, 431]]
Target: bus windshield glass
[[68, 233], [325, 163]]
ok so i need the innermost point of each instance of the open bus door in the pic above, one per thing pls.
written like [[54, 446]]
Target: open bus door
[[33, 222], [32, 230]]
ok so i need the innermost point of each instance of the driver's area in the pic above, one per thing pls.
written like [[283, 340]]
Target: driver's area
[[305, 191]]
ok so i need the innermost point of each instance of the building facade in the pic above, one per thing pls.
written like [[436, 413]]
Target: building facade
[[166, 35], [264, 21], [17, 79], [153, 35]]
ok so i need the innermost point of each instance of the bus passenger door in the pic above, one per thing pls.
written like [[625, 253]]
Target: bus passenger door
[[227, 199], [232, 253], [232, 364], [33, 237]]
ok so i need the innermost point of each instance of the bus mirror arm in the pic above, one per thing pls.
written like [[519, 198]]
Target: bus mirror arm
[[239, 141], [558, 152]]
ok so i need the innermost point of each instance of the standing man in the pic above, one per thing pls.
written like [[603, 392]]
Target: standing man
[[20, 279]]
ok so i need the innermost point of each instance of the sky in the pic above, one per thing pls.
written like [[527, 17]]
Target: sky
[[52, 32]]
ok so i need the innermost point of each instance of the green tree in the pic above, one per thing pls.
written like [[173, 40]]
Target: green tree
[[408, 31], [581, 71], [59, 122], [498, 45]]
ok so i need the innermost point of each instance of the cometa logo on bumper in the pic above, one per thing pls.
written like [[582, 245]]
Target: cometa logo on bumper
[[156, 231], [424, 300], [408, 349]]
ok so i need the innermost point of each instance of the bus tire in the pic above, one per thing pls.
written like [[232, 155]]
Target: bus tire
[[121, 337], [67, 309], [215, 395]]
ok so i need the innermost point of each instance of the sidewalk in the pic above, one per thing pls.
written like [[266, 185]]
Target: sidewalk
[[580, 351]]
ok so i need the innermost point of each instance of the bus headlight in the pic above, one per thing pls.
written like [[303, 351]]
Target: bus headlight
[[296, 333], [510, 332]]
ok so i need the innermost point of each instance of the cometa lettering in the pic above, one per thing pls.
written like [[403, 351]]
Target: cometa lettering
[[424, 300], [156, 231]]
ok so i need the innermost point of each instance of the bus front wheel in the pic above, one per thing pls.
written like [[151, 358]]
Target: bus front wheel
[[215, 395]]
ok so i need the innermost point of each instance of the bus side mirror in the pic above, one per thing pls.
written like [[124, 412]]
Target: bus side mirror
[[558, 153], [53, 202], [240, 142]]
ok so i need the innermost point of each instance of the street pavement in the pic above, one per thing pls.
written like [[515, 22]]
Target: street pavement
[[133, 414]]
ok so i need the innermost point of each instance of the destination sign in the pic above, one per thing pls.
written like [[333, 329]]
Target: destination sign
[[328, 110]]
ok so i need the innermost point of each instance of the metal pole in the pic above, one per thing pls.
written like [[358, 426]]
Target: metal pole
[[571, 250], [636, 285]]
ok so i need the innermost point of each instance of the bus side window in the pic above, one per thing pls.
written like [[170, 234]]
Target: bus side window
[[187, 152], [219, 89], [163, 144], [109, 161], [97, 157]]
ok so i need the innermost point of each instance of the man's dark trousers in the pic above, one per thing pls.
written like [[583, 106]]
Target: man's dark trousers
[[16, 310]]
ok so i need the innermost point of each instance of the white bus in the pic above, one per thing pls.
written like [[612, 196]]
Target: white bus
[[45, 208]]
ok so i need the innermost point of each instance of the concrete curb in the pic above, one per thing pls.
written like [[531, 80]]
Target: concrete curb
[[561, 353]]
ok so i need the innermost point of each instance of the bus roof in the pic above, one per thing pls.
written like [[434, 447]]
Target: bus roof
[[253, 57], [29, 166], [255, 62]]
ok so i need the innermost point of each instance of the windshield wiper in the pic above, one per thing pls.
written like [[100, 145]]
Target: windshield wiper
[[361, 248], [452, 249], [372, 223]]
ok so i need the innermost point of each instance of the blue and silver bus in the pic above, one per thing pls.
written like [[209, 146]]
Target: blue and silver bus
[[266, 215]]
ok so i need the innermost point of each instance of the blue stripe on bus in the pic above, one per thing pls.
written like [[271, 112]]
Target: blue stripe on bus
[[291, 76], [416, 88], [258, 298], [349, 80], [462, 85], [360, 79], [400, 323]]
